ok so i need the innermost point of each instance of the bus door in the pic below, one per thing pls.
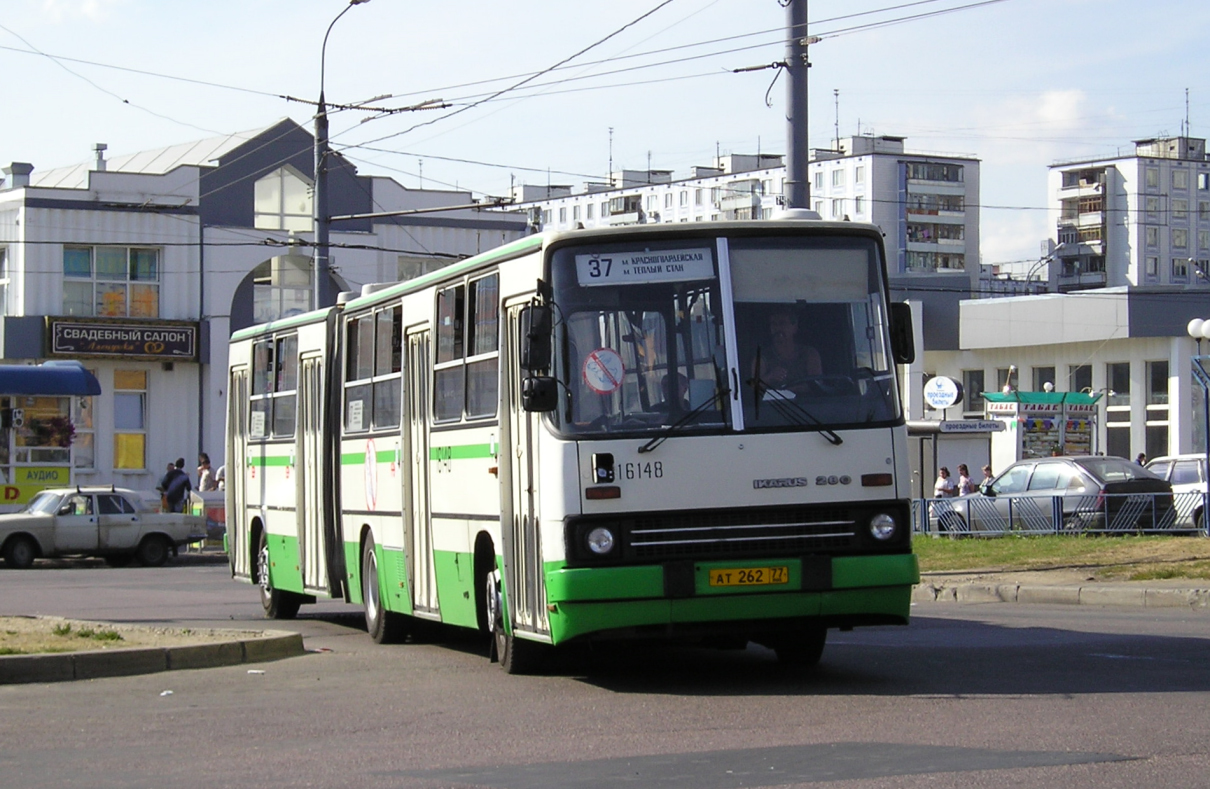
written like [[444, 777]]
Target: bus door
[[309, 483], [236, 483], [418, 525], [526, 592]]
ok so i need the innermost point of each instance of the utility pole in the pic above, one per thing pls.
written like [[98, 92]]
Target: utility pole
[[798, 193]]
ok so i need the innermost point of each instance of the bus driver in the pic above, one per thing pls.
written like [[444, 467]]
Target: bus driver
[[787, 363]]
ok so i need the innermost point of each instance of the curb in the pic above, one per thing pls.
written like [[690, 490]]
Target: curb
[[1196, 599], [67, 666]]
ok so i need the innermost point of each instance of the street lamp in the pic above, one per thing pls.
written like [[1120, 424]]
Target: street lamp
[[323, 278]]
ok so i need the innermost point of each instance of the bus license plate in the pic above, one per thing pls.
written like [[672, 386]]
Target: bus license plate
[[750, 576]]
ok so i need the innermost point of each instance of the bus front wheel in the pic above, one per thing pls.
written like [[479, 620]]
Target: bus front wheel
[[802, 649], [516, 655]]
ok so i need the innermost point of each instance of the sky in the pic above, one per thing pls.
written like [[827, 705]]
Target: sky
[[1019, 84]]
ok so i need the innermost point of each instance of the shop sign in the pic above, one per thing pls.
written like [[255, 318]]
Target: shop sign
[[108, 338]]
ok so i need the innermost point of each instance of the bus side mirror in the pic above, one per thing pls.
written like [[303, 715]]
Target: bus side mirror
[[539, 394], [903, 340], [536, 337]]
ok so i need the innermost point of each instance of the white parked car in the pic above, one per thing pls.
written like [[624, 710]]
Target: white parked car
[[1187, 474], [113, 523]]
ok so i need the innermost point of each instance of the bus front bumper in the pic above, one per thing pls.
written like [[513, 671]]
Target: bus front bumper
[[679, 598]]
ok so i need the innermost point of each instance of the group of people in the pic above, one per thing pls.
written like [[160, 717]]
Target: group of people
[[176, 485], [947, 488]]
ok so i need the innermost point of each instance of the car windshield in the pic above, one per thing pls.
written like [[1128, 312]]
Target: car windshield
[[1110, 469], [643, 341], [44, 503]]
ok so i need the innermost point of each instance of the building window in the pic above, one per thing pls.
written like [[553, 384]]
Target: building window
[[605, 208], [1043, 376], [1152, 204], [859, 174], [589, 210], [651, 203], [1153, 236], [1152, 177], [1180, 237], [837, 178], [668, 200], [859, 205], [546, 216], [130, 419], [1117, 378], [819, 207], [1180, 268], [697, 196], [928, 171], [1080, 378], [1004, 381], [837, 209], [1180, 179], [575, 213], [1203, 182], [282, 201], [281, 288], [1157, 383], [1180, 208], [1153, 266], [972, 388], [1203, 239], [122, 282], [562, 214], [684, 199], [466, 376], [819, 181]]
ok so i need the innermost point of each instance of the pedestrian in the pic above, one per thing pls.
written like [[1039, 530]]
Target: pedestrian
[[206, 479], [177, 489], [1141, 459], [220, 477], [943, 488], [965, 486], [986, 484]]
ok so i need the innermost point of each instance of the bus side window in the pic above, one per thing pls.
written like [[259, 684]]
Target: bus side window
[[448, 368]]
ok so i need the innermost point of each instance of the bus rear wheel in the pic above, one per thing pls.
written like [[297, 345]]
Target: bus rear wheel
[[277, 603], [384, 627]]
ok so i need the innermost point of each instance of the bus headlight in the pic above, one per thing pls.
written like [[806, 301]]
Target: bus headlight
[[600, 541], [882, 526]]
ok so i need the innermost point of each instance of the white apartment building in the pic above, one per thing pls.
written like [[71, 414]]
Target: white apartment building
[[1133, 220], [142, 266], [928, 205]]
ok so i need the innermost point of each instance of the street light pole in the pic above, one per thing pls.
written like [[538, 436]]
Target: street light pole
[[322, 219]]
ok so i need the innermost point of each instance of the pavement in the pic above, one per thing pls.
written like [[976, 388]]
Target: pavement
[[1064, 586]]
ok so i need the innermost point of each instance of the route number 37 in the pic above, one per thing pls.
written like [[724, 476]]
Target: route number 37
[[600, 267]]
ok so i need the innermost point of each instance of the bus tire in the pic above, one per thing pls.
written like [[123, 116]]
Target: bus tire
[[802, 649], [277, 603], [516, 655], [384, 627]]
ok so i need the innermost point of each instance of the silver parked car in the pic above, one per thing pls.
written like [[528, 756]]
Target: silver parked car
[[1187, 475], [1080, 493], [113, 523]]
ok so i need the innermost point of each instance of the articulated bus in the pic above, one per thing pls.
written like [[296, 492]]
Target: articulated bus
[[661, 431]]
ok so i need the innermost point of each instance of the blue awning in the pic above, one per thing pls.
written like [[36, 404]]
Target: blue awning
[[49, 378]]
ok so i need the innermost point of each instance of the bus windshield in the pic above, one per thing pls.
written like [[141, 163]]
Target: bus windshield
[[642, 340]]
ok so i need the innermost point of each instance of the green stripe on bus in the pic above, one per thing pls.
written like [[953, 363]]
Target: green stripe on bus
[[359, 458], [463, 452], [271, 460]]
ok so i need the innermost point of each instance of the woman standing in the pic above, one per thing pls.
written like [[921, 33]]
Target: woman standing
[[943, 488], [965, 486]]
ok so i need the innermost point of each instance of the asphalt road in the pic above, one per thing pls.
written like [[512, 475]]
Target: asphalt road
[[967, 696]]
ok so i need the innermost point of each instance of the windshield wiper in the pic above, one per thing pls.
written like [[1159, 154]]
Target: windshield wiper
[[680, 424], [788, 409]]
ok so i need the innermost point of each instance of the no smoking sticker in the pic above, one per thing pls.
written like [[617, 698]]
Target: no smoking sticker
[[603, 370]]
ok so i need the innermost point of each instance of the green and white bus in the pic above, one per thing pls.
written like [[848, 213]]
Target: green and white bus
[[656, 431]]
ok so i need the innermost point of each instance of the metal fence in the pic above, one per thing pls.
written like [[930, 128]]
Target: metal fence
[[1130, 513]]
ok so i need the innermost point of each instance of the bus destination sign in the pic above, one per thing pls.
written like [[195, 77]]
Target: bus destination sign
[[640, 268]]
